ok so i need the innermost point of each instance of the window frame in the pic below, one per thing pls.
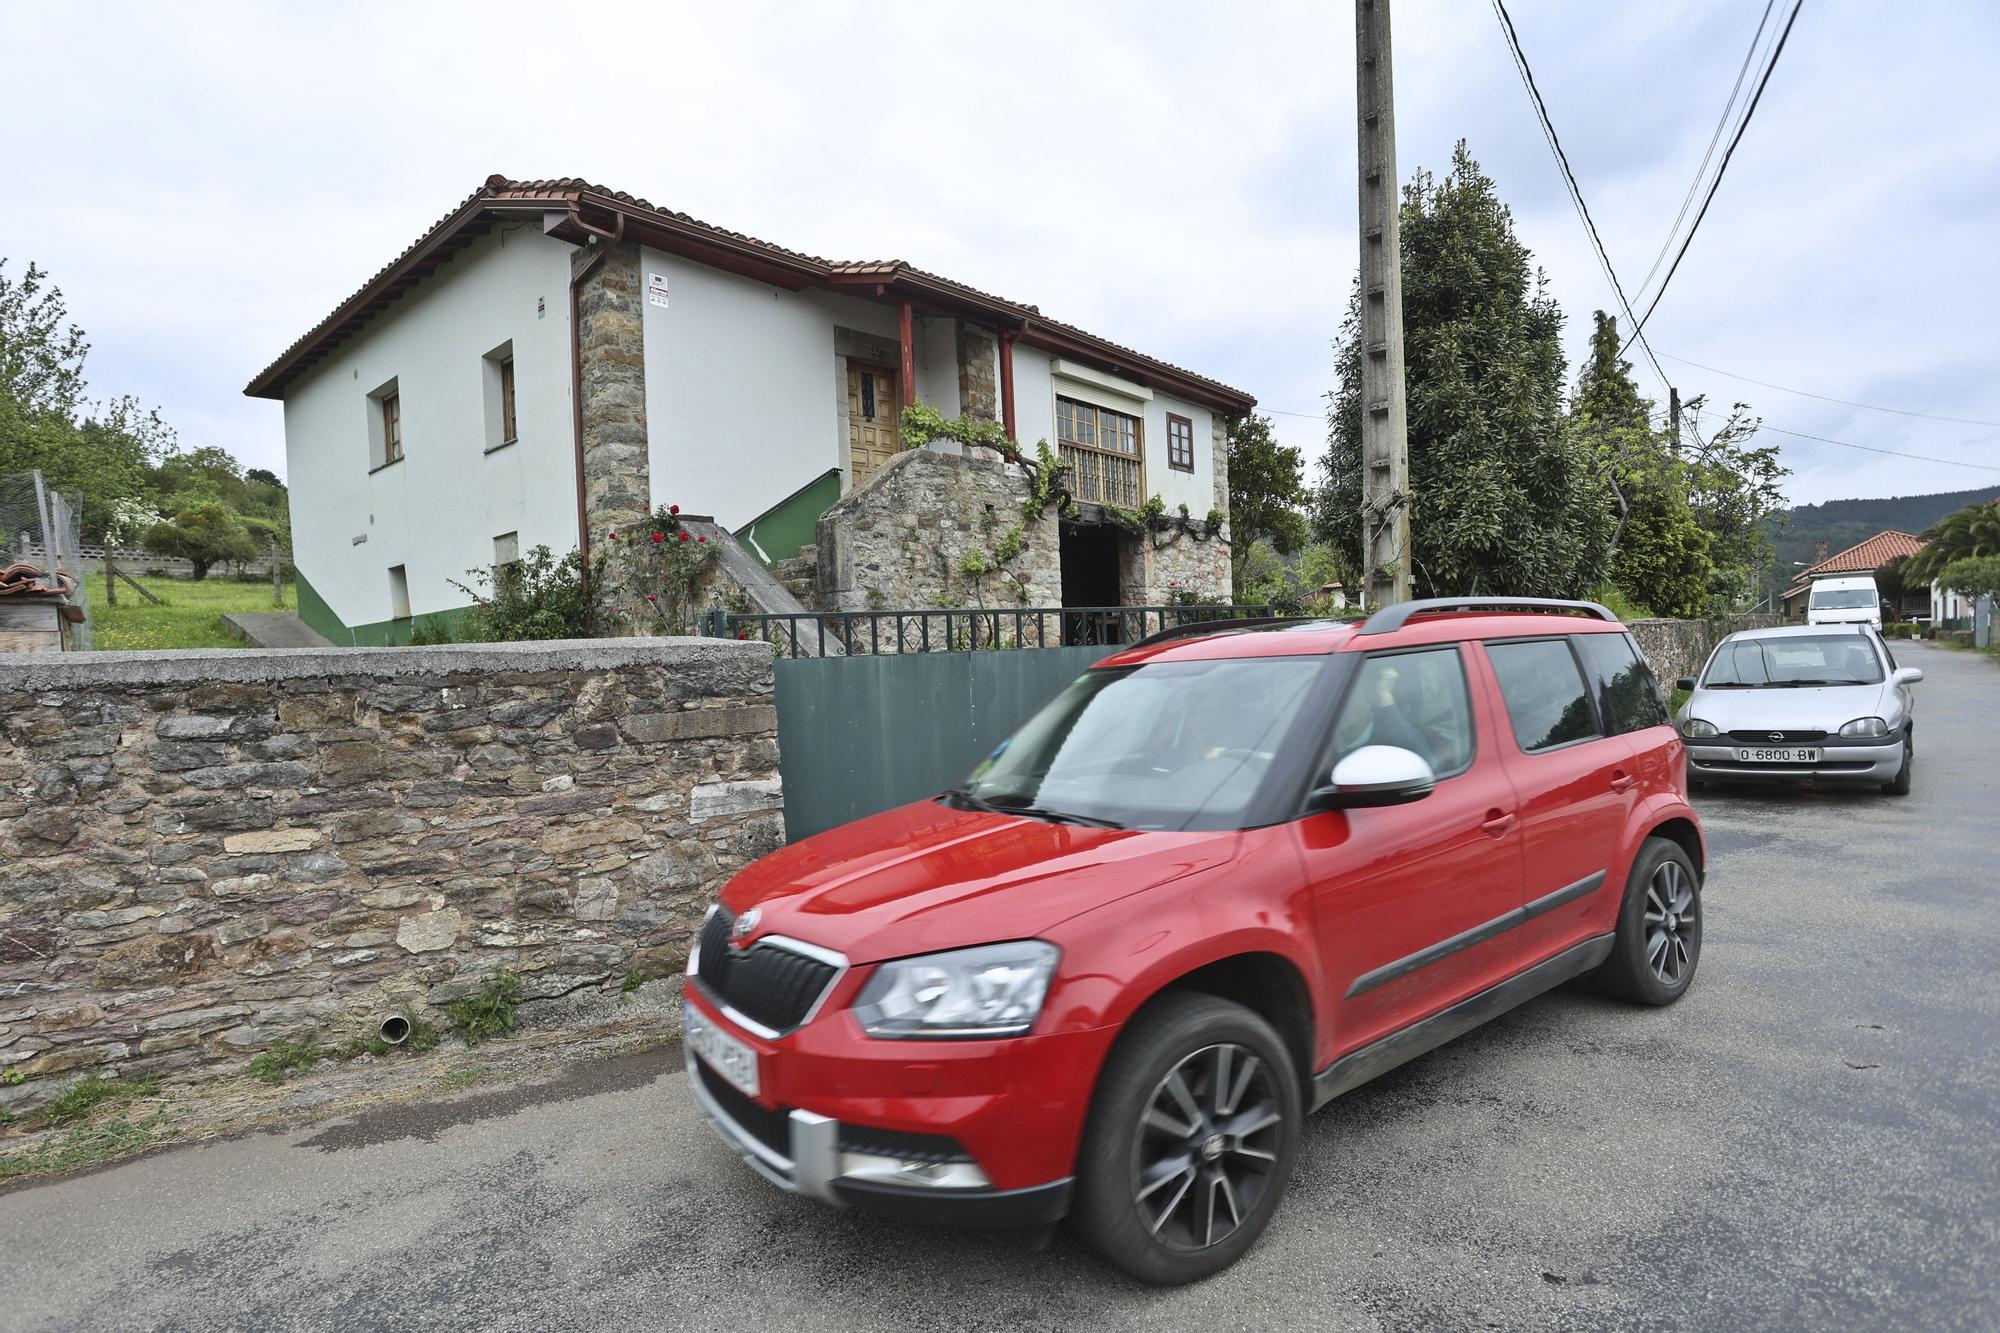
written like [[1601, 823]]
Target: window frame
[[1600, 688], [391, 405], [1175, 419], [1324, 765], [1584, 678], [1098, 411], [510, 432]]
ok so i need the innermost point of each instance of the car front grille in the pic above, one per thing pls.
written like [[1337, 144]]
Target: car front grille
[[767, 983], [1776, 737], [770, 1128]]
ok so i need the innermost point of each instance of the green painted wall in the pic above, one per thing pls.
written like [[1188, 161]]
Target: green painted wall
[[857, 735], [779, 532], [381, 634]]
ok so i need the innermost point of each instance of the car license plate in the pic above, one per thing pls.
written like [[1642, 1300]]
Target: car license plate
[[721, 1052], [1794, 755]]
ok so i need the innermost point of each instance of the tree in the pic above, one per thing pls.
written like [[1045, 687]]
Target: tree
[[1658, 557], [1502, 498], [1733, 486], [1973, 577], [1266, 493], [203, 533], [262, 476], [1971, 531]]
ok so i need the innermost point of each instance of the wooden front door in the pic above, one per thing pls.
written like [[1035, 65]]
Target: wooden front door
[[873, 434]]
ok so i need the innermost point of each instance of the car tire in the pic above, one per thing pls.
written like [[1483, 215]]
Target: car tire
[[1658, 943], [1191, 1138], [1900, 785]]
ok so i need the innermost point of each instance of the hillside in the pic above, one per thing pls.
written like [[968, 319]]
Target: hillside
[[1796, 533]]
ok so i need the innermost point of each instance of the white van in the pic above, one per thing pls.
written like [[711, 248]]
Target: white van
[[1847, 601]]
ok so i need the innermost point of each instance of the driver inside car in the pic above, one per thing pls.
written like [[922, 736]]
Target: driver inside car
[[1373, 717]]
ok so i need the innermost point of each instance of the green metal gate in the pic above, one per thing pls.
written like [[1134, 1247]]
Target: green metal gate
[[861, 734]]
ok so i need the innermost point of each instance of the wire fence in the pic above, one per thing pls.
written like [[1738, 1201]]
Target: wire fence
[[39, 526]]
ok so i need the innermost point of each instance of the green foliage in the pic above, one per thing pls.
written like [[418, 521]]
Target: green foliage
[[1968, 532], [1502, 498], [429, 632], [666, 565], [1902, 629], [536, 597], [86, 1145], [1267, 496], [285, 1057], [463, 1078], [1293, 585], [1974, 576], [1614, 599], [632, 981], [973, 564], [1012, 543], [86, 1094], [487, 1013], [204, 533], [12, 1077], [1154, 508]]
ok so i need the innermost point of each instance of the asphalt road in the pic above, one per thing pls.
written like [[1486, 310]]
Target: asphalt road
[[1810, 1139]]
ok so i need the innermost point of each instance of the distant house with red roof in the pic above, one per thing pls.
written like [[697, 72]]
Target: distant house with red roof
[[1865, 558]]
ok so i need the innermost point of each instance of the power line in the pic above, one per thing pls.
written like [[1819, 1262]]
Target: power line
[[1869, 448], [1575, 190], [1722, 170], [1825, 398], [1700, 172]]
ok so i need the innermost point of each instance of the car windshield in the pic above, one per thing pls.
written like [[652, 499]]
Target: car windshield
[[1829, 659], [1841, 599], [1167, 745]]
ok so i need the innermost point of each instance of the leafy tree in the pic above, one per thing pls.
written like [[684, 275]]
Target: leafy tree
[[203, 532], [1292, 585], [1734, 486], [1267, 493], [1890, 580], [1659, 552], [1974, 576], [1503, 498], [262, 476], [1971, 531]]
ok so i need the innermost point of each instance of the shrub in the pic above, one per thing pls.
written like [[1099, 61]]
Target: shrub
[[487, 1013], [536, 597], [283, 1058]]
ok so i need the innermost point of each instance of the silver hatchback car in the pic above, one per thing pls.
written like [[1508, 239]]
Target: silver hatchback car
[[1807, 703]]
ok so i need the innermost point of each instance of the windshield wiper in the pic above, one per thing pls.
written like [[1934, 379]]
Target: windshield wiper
[[1058, 816], [1809, 683]]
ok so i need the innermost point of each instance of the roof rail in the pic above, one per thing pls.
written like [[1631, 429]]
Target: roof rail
[[1191, 628], [1392, 618]]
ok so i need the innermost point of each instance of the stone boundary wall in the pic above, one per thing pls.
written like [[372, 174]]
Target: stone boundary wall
[[202, 853], [1676, 648]]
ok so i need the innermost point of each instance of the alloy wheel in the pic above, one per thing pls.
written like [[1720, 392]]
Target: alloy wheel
[[1672, 930], [1207, 1146]]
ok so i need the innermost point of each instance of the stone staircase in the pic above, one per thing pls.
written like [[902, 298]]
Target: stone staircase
[[760, 587], [800, 574]]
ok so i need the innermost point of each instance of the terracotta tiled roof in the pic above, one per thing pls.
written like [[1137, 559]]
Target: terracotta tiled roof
[[1865, 558], [500, 196]]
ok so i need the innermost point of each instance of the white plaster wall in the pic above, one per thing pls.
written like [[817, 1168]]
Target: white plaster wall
[[1035, 389], [437, 512], [744, 400]]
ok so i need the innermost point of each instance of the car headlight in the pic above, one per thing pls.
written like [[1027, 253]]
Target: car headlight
[[1696, 729], [995, 990], [1865, 726]]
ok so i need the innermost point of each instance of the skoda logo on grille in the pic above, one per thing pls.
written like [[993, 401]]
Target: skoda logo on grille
[[744, 924]]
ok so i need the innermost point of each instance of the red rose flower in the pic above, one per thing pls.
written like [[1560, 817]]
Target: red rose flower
[[659, 537], [701, 539], [673, 509], [742, 634], [684, 536], [611, 536], [651, 597]]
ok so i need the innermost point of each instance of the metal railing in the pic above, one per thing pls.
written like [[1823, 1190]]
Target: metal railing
[[961, 629]]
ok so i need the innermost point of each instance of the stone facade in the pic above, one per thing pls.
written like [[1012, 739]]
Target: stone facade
[[202, 853], [617, 486], [1160, 568], [901, 540], [978, 368], [1676, 648]]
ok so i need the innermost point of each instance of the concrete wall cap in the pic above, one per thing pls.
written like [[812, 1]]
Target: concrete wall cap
[[184, 666]]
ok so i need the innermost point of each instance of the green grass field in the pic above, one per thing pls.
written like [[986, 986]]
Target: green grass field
[[191, 618]]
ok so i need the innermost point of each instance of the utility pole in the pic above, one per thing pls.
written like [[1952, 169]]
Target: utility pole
[[1674, 417], [1385, 440]]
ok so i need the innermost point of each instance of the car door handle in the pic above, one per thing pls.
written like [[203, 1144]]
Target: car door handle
[[1621, 781], [1497, 822]]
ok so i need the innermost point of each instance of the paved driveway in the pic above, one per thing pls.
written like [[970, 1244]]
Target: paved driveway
[[1811, 1139]]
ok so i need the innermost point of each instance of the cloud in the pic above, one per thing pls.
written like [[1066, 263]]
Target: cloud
[[210, 180]]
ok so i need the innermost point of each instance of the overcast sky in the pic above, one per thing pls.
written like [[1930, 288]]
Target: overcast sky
[[207, 182]]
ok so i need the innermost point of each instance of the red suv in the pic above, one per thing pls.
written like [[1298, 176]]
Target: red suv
[[1226, 875]]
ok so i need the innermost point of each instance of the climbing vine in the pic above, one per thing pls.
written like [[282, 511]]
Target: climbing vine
[[666, 568]]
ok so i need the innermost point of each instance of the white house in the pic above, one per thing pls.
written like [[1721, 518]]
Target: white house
[[552, 359]]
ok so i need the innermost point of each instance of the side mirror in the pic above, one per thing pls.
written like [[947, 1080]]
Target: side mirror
[[1685, 683], [1376, 775], [1906, 676]]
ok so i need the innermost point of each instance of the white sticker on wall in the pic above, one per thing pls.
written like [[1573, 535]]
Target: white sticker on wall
[[656, 288]]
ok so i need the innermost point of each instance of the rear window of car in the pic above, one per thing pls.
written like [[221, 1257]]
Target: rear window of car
[[1627, 693], [1547, 700]]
